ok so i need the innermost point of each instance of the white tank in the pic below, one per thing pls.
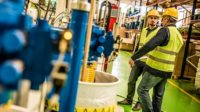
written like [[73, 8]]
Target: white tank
[[98, 96]]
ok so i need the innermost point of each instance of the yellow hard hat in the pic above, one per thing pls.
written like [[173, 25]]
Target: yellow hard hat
[[153, 12], [171, 12]]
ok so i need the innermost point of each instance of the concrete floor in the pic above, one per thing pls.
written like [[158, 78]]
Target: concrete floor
[[175, 99]]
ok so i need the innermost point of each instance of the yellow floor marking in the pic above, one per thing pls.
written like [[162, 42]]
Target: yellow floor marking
[[185, 92]]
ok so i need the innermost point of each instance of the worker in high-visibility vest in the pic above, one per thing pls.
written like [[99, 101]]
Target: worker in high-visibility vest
[[163, 49], [146, 34]]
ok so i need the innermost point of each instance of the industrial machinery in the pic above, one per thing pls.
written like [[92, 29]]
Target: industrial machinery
[[27, 51], [111, 16], [100, 43], [13, 27], [110, 19]]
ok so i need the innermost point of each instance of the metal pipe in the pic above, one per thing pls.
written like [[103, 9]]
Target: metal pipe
[[46, 13], [145, 19], [97, 11], [26, 5], [88, 38], [139, 10], [104, 21], [118, 12], [188, 41], [134, 6], [78, 25], [117, 23]]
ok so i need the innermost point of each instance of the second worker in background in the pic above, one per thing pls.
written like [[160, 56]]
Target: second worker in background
[[162, 50], [137, 69]]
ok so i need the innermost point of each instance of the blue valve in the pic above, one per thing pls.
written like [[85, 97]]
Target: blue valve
[[10, 72], [100, 49], [10, 11], [97, 30], [43, 24], [13, 41], [108, 44], [101, 39]]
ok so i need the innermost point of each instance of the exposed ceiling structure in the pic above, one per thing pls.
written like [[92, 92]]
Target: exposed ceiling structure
[[127, 1]]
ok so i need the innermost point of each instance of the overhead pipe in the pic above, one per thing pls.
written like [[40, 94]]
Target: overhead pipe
[[134, 6], [139, 10], [118, 5], [104, 21], [97, 11], [46, 13], [145, 19], [109, 13]]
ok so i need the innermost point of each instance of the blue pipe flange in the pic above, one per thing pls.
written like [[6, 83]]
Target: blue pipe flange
[[96, 44], [108, 44], [100, 49], [97, 30], [43, 24], [10, 11], [25, 22], [101, 39], [10, 73], [13, 41]]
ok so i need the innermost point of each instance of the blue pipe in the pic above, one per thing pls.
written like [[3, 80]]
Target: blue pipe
[[68, 94]]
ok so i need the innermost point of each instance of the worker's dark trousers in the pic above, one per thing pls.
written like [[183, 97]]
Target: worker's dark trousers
[[158, 84], [135, 73]]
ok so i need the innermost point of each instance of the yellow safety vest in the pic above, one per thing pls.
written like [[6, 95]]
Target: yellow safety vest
[[163, 57], [144, 39]]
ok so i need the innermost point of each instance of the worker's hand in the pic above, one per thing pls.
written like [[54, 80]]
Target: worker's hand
[[131, 62]]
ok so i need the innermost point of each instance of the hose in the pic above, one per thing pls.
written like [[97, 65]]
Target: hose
[[45, 16]]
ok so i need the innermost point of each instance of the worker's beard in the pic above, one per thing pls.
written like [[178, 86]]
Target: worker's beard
[[152, 25]]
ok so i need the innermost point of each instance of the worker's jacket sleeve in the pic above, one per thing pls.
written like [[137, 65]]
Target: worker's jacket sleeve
[[160, 39]]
